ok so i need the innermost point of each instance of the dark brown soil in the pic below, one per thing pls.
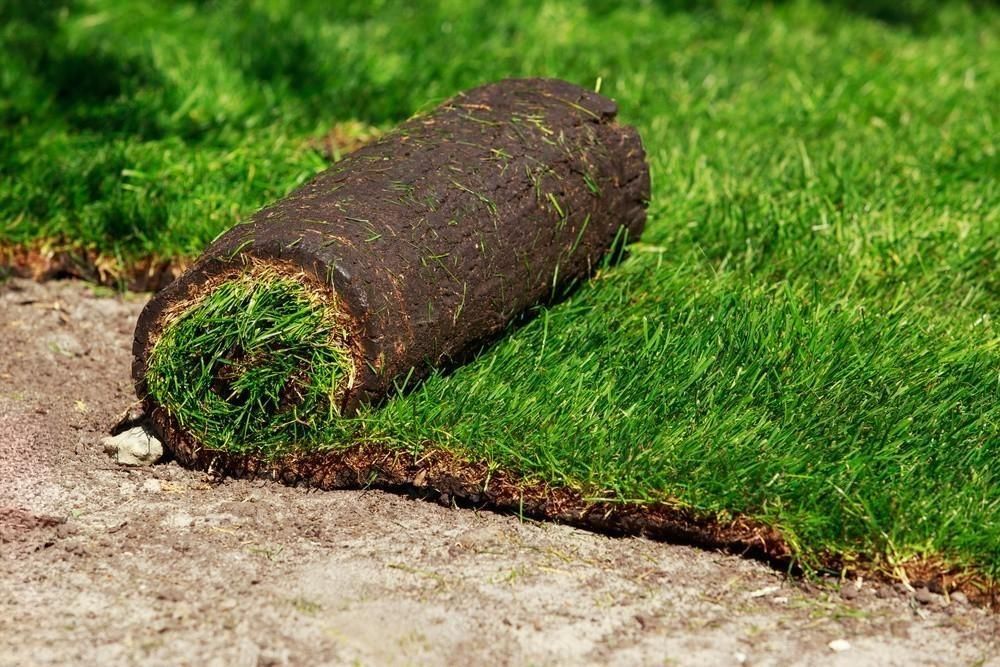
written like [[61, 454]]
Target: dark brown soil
[[168, 566]]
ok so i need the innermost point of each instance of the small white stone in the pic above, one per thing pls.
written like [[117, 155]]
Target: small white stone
[[151, 486], [134, 447], [839, 645]]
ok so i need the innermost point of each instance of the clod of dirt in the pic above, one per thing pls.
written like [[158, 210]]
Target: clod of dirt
[[16, 522], [134, 447]]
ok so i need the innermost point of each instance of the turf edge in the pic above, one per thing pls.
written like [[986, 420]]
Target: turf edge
[[436, 474], [53, 259]]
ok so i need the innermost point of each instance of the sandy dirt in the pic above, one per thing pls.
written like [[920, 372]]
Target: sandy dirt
[[107, 565]]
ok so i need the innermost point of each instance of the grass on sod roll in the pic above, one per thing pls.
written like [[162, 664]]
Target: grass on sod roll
[[256, 364], [807, 333]]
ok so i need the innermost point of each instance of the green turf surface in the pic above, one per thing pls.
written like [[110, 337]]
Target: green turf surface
[[807, 333]]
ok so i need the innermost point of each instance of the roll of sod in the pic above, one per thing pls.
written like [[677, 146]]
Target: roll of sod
[[405, 256]]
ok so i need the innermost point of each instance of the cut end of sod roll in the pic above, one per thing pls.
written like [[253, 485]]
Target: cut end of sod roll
[[259, 362], [404, 257]]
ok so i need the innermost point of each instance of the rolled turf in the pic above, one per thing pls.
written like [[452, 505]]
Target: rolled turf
[[404, 257]]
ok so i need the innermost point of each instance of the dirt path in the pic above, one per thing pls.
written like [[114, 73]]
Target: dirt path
[[163, 566]]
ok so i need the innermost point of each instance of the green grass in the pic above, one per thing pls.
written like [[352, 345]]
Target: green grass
[[806, 334], [256, 363]]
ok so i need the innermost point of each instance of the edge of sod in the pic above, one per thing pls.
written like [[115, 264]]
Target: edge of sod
[[434, 472], [51, 259]]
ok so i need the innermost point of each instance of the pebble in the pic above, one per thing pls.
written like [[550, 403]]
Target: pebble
[[479, 539], [958, 597], [134, 447], [839, 645], [65, 344], [924, 596]]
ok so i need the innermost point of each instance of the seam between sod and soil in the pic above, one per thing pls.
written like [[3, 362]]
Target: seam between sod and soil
[[53, 259], [437, 471]]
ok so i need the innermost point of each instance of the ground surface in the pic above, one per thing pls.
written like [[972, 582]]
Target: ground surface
[[807, 334], [163, 566]]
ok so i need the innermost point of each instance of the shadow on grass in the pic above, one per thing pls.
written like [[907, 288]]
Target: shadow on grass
[[916, 15], [100, 90]]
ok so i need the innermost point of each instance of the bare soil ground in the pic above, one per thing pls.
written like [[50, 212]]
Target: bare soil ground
[[107, 565]]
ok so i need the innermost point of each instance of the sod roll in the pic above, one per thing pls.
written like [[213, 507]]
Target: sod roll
[[405, 256]]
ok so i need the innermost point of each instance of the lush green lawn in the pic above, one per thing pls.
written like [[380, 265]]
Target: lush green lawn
[[808, 331]]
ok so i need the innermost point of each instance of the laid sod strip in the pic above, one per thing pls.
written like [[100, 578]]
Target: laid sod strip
[[423, 246]]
